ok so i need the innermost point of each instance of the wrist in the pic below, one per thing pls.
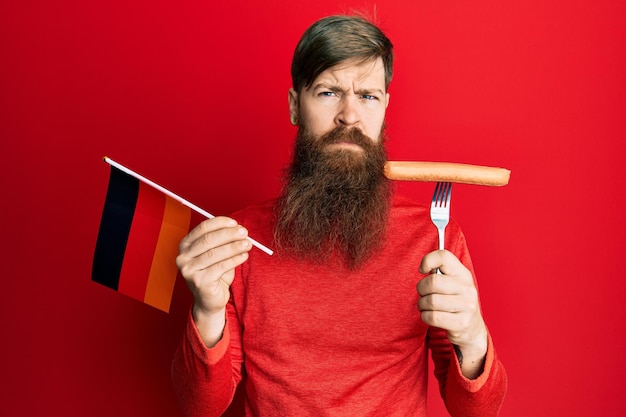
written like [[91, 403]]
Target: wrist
[[210, 324], [471, 356], [476, 349]]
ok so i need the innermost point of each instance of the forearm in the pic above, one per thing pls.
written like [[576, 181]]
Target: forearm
[[204, 379]]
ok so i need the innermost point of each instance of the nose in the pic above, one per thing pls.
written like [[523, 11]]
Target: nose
[[348, 113]]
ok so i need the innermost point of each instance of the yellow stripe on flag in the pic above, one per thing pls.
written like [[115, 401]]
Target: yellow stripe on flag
[[163, 271]]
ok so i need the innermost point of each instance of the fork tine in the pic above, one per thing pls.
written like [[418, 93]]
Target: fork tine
[[447, 192], [435, 195], [441, 196]]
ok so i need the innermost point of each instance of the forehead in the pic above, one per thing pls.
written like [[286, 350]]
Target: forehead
[[366, 74]]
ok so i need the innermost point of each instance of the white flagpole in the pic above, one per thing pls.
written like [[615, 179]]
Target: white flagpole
[[177, 198]]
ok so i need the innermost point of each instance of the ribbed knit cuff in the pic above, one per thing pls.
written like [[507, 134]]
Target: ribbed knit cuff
[[473, 385], [210, 356]]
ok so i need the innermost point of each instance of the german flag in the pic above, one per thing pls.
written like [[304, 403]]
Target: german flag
[[138, 239]]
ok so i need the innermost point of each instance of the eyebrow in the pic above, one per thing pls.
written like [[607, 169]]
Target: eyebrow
[[336, 89], [366, 91]]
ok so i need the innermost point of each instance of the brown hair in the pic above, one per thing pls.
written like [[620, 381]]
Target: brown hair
[[334, 39]]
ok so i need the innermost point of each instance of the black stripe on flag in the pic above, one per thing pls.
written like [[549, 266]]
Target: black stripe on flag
[[117, 218]]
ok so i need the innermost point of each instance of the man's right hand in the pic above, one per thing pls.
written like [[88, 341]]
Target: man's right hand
[[207, 259]]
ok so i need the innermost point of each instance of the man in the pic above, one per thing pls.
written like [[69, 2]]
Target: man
[[340, 320]]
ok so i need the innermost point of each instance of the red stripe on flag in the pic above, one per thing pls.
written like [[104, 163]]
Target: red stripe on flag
[[142, 240], [163, 272]]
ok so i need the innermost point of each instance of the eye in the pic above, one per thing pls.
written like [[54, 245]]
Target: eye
[[369, 97], [327, 94]]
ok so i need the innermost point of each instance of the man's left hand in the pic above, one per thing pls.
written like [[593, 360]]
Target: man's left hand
[[450, 301]]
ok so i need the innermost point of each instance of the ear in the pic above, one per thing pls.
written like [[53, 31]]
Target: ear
[[293, 104]]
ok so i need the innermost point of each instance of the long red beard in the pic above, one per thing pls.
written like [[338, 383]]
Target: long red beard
[[335, 201]]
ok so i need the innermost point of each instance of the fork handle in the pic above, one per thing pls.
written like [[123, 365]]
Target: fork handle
[[441, 246]]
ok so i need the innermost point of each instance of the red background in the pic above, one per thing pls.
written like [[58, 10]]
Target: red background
[[194, 95]]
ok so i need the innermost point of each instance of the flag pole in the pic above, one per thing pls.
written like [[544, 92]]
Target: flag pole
[[177, 198]]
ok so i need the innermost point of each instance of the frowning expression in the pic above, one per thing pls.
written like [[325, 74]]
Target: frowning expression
[[351, 94]]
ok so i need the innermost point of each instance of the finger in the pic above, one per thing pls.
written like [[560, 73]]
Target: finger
[[431, 261], [225, 257], [443, 260], [215, 261], [207, 226], [443, 303], [212, 237], [223, 269], [437, 283], [451, 322]]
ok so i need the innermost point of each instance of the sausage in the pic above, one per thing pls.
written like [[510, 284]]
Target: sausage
[[446, 172]]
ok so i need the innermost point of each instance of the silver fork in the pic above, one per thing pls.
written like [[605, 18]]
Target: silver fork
[[440, 210]]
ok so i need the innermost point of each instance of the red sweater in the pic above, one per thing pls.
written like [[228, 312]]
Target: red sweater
[[319, 340]]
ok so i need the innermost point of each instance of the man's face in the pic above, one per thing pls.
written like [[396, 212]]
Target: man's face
[[336, 198], [351, 94]]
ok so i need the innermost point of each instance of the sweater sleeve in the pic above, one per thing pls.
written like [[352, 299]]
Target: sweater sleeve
[[205, 379], [480, 397]]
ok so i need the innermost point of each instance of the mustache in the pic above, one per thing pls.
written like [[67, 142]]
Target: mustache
[[348, 135]]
